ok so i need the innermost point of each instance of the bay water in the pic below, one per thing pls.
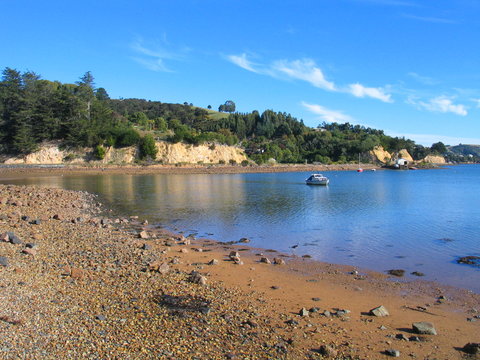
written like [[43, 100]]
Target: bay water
[[413, 220]]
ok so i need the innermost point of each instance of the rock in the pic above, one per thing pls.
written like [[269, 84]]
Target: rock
[[14, 238], [57, 217], [304, 312], [175, 261], [417, 273], [392, 352], [187, 242], [244, 240], [147, 247], [469, 260], [234, 254], [29, 251], [143, 235], [36, 222], [265, 260], [31, 246], [66, 270], [163, 268], [213, 262], [327, 313], [401, 337], [316, 299], [278, 261], [4, 237], [3, 261], [184, 251], [472, 348], [328, 351], [424, 327], [379, 311], [100, 317], [197, 278], [396, 272]]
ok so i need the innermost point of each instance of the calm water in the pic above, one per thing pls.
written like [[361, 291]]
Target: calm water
[[414, 220]]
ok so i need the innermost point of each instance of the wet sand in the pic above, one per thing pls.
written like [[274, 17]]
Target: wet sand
[[94, 288]]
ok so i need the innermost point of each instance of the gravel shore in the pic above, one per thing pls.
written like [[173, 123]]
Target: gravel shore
[[78, 284]]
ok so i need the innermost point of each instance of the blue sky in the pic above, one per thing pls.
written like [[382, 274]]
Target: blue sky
[[409, 67]]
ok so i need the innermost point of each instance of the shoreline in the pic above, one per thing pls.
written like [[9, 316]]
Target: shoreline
[[250, 309]]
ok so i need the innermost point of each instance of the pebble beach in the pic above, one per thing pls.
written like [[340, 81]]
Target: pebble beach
[[78, 283]]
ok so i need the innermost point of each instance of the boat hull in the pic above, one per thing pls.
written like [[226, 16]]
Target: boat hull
[[323, 182]]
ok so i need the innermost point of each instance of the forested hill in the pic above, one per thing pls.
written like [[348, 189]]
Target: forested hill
[[34, 110]]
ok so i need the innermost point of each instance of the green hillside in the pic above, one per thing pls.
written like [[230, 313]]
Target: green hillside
[[34, 110]]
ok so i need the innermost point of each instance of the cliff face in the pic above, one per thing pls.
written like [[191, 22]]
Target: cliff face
[[167, 154], [404, 154], [379, 154], [434, 159]]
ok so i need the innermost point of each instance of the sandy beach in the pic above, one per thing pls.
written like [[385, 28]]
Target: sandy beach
[[78, 283]]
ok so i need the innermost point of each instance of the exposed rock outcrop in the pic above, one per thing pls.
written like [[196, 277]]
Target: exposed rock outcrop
[[434, 159]]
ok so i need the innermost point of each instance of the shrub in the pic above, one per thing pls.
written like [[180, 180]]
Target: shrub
[[232, 162], [99, 152], [245, 163], [148, 148]]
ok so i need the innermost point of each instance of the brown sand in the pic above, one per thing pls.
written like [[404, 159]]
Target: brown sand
[[110, 302]]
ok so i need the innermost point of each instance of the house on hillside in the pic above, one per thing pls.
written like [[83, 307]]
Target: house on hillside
[[401, 164]]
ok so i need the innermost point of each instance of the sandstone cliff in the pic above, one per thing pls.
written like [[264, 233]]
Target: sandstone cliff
[[379, 154], [168, 153], [434, 159]]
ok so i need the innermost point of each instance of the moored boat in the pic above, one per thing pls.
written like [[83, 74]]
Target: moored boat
[[317, 179]]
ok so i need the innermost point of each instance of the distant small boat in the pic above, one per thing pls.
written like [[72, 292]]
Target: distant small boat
[[317, 179], [359, 168]]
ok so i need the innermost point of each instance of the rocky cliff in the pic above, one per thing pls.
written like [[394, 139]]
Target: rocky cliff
[[167, 154]]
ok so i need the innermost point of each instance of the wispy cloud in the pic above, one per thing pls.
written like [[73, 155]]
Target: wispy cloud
[[307, 70], [441, 104], [243, 62], [430, 19], [361, 91], [425, 80], [477, 101], [153, 55], [327, 115]]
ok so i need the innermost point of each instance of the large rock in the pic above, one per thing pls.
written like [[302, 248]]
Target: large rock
[[404, 154], [424, 327], [472, 348], [379, 154], [3, 261], [379, 311], [434, 159]]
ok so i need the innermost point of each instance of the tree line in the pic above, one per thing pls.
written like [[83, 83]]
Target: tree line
[[34, 110]]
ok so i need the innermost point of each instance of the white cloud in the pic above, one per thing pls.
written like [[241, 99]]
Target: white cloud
[[304, 69], [242, 61], [477, 101], [153, 56], [327, 115], [361, 91], [442, 104], [425, 80], [308, 71]]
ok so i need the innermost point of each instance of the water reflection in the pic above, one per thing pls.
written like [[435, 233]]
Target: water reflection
[[380, 220]]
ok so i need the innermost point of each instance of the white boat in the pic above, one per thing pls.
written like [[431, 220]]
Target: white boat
[[317, 179]]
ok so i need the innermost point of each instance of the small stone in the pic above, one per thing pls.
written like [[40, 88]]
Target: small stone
[[57, 217], [316, 299], [327, 313], [472, 348], [3, 261], [383, 327], [213, 262], [163, 268], [278, 261], [418, 273], [265, 260], [36, 222], [100, 317], [184, 251], [396, 272], [234, 254], [303, 312], [198, 278], [143, 235], [328, 351], [414, 338], [147, 247], [392, 352], [29, 251], [424, 327], [4, 237], [379, 311], [14, 239], [401, 337]]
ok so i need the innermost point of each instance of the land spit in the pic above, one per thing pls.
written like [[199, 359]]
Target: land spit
[[79, 284]]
